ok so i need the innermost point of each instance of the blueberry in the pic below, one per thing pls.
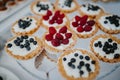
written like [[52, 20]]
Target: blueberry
[[22, 37], [69, 64], [79, 67], [28, 48], [88, 69], [25, 37], [9, 45], [110, 40], [116, 56], [73, 66], [21, 46], [15, 41], [115, 44], [99, 42], [1, 78], [30, 19], [76, 54], [87, 57], [17, 44], [112, 51], [106, 44], [96, 44], [87, 65], [81, 72], [105, 22], [81, 57], [100, 45], [81, 63], [64, 59], [73, 60], [35, 42], [31, 40], [18, 38], [93, 62]]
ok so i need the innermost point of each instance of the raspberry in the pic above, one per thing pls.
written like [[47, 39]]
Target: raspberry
[[91, 22], [49, 37], [51, 22], [49, 13], [87, 28], [52, 30], [60, 21], [77, 18], [62, 16], [57, 13], [59, 36], [54, 17], [83, 20], [80, 29], [65, 41], [75, 24], [68, 35], [45, 17], [63, 30], [55, 42]]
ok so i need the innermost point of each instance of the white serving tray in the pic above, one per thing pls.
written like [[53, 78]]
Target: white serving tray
[[108, 71]]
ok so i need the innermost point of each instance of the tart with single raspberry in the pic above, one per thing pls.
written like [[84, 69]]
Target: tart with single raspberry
[[106, 48], [78, 64], [66, 5], [25, 26], [40, 7], [83, 26], [91, 9], [56, 19], [24, 47], [59, 39], [109, 23]]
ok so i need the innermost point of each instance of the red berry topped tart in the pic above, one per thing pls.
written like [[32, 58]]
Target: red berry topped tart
[[91, 9], [40, 7], [109, 23], [106, 48], [25, 26], [56, 19], [66, 5], [78, 64], [83, 26], [58, 40], [24, 47]]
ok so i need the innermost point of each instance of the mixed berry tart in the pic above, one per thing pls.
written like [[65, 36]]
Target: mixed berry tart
[[78, 64], [40, 7], [106, 48], [66, 5], [83, 26], [58, 40], [24, 47], [56, 19], [25, 26], [109, 23], [44, 63], [91, 9]]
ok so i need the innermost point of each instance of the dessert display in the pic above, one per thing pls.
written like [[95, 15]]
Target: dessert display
[[83, 26], [56, 19], [109, 23], [25, 26], [106, 48], [66, 5], [78, 64], [24, 47], [91, 9], [58, 40], [104, 0], [40, 7]]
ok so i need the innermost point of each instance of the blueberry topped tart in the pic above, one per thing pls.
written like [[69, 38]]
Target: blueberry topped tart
[[24, 47], [25, 26], [109, 23], [106, 48], [40, 7], [91, 9], [66, 5], [78, 64]]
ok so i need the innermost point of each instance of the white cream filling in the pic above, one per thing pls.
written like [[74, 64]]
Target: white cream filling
[[82, 33], [90, 12], [75, 72], [32, 26], [46, 22], [101, 52], [64, 7], [16, 50], [43, 12], [108, 25]]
